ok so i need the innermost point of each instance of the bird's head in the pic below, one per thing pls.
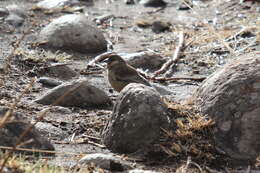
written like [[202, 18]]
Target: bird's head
[[114, 60]]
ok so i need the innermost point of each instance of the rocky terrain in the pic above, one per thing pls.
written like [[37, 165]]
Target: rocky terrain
[[201, 57]]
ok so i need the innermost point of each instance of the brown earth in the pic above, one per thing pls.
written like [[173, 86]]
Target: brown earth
[[204, 54]]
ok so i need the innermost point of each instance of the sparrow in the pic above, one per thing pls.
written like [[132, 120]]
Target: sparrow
[[121, 74]]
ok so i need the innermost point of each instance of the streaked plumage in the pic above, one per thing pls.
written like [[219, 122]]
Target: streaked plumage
[[121, 74]]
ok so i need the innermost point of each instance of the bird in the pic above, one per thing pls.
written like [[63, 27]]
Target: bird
[[120, 73]]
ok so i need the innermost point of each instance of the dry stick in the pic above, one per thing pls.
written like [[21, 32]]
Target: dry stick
[[162, 79], [41, 115], [197, 165], [210, 28], [99, 58], [174, 59], [37, 150], [183, 48], [187, 164]]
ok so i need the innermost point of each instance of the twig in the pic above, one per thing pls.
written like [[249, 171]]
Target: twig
[[248, 169], [237, 33], [36, 150], [212, 170], [98, 58], [175, 57], [91, 72], [197, 165], [246, 47], [91, 137], [96, 144], [187, 164], [161, 79]]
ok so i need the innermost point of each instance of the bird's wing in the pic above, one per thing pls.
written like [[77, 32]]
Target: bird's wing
[[130, 75]]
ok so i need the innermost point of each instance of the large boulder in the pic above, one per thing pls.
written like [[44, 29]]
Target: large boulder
[[11, 131], [231, 96], [79, 93], [136, 121], [73, 32]]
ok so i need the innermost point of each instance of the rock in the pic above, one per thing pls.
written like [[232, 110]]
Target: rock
[[143, 23], [145, 60], [231, 97], [3, 12], [103, 18], [14, 20], [141, 171], [80, 93], [56, 4], [16, 15], [73, 32], [160, 26], [18, 10], [129, 2], [2, 64], [13, 129], [48, 129], [57, 70], [153, 3], [106, 161], [136, 120], [61, 110], [49, 82], [161, 89]]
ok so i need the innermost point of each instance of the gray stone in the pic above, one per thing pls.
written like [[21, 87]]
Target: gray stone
[[60, 71], [160, 26], [145, 60], [162, 89], [18, 10], [56, 4], [106, 161], [49, 130], [79, 93], [49, 82], [3, 12], [103, 18], [61, 110], [129, 2], [14, 20], [73, 32], [14, 128], [231, 97], [153, 3], [136, 120]]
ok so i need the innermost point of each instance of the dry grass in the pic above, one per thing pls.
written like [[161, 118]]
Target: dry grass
[[20, 164], [191, 139]]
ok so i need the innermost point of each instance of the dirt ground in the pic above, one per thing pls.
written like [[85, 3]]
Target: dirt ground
[[206, 26]]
